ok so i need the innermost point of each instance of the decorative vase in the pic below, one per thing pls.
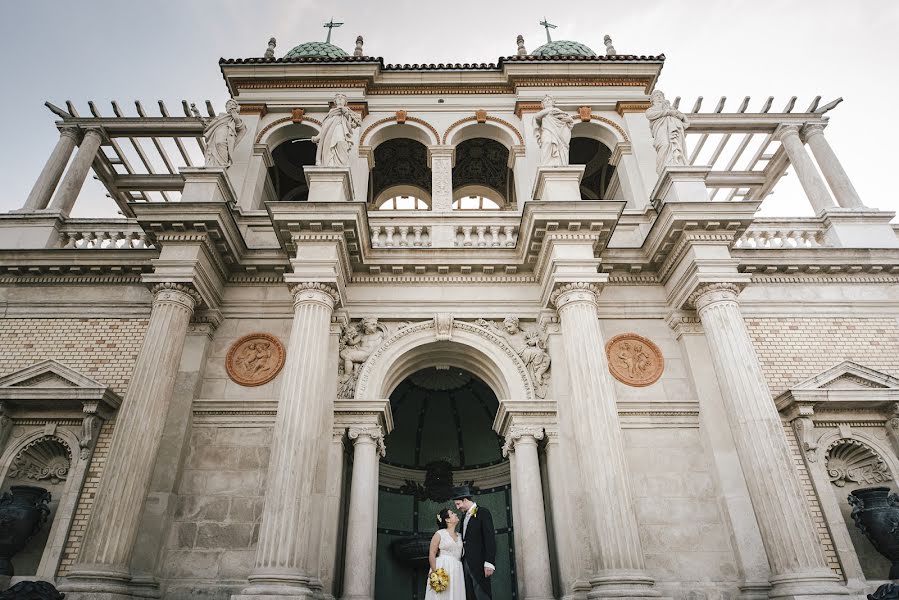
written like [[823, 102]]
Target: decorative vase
[[23, 510], [876, 513], [411, 550]]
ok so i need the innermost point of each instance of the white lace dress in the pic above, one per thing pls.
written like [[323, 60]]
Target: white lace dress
[[450, 560]]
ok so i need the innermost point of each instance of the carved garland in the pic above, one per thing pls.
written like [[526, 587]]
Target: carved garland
[[488, 118], [393, 119]]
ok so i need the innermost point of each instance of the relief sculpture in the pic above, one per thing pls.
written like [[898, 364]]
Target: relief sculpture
[[357, 343], [529, 345]]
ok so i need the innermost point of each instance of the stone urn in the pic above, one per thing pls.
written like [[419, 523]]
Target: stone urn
[[876, 513], [23, 510], [411, 550]]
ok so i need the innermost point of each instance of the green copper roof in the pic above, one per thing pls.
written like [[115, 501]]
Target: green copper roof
[[322, 49], [563, 48]]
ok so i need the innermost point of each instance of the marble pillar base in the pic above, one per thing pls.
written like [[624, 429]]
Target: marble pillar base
[[105, 586], [623, 584], [680, 184], [808, 586], [558, 183], [329, 184]]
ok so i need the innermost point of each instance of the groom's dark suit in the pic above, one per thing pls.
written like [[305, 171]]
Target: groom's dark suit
[[479, 543]]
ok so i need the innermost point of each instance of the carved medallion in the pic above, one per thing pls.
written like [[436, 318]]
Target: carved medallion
[[634, 360], [255, 359]]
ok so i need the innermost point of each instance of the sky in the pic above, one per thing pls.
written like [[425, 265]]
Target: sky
[[159, 49]]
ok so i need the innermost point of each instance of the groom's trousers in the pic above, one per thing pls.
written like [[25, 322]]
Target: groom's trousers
[[476, 589]]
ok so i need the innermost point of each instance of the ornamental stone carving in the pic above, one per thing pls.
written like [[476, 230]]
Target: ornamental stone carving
[[668, 127], [709, 293], [222, 134], [552, 128], [176, 292], [529, 345], [336, 136], [357, 343], [634, 360], [313, 291], [573, 292], [255, 359], [851, 461], [44, 459], [516, 432], [374, 432], [804, 428]]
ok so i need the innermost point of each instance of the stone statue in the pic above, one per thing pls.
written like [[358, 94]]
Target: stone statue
[[668, 129], [358, 51], [522, 51], [222, 134], [336, 136], [553, 130], [610, 49], [270, 51], [529, 345], [357, 343]]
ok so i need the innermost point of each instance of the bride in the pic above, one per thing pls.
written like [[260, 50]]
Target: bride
[[446, 553]]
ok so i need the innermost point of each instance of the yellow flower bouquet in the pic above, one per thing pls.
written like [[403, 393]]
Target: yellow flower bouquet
[[438, 580]]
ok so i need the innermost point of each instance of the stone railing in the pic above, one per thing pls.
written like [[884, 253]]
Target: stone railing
[[782, 234], [459, 229], [95, 234], [486, 236], [404, 235]]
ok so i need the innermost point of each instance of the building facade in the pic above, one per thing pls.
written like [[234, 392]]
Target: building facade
[[363, 283]]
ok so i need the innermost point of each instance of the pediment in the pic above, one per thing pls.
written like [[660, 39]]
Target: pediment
[[846, 386], [848, 375], [48, 374]]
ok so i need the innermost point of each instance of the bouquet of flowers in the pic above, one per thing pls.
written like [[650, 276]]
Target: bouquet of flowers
[[438, 580]]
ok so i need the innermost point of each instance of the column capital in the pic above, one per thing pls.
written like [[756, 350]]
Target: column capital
[[337, 433], [684, 323], [710, 293], [785, 130], [811, 129], [71, 131], [580, 291], [374, 433], [522, 434], [314, 291], [182, 293]]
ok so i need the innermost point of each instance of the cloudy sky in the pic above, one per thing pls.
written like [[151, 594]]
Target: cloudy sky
[[151, 50]]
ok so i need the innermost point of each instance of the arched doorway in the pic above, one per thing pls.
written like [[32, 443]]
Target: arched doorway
[[442, 437]]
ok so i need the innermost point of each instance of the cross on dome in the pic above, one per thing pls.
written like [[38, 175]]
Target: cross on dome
[[330, 25], [548, 26]]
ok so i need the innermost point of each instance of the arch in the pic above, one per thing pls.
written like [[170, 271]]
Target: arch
[[66, 438], [279, 131], [495, 129], [402, 190], [863, 440], [387, 129], [600, 128], [479, 190], [466, 345]]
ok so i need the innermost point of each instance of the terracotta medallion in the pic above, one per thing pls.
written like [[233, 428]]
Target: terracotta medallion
[[255, 359], [634, 360]]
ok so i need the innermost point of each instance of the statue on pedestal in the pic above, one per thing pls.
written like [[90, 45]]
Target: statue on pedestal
[[336, 136], [552, 127], [668, 130], [222, 134]]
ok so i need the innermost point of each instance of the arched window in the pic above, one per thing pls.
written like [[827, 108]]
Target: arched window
[[598, 172], [403, 203], [400, 163], [482, 169], [475, 203], [287, 174]]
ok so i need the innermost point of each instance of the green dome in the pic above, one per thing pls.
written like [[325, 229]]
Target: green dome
[[563, 48], [318, 49]]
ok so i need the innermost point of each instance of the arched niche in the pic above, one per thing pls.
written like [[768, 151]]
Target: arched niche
[[465, 346], [484, 163], [291, 152], [44, 461], [592, 144]]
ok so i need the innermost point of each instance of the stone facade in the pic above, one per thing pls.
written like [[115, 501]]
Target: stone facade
[[512, 276]]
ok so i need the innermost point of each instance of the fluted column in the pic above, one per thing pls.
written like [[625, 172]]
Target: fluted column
[[285, 532], [794, 551], [46, 182], [814, 186], [831, 168], [361, 530], [331, 518], [535, 570], [105, 554], [593, 413], [67, 192]]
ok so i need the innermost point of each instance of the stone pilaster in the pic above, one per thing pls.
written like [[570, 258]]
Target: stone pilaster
[[102, 568], [284, 536], [67, 192], [440, 160], [831, 168], [814, 186], [46, 182], [359, 570], [798, 566], [535, 576], [603, 467]]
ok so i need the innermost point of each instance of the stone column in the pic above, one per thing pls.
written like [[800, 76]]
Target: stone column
[[798, 567], [831, 168], [814, 186], [53, 170], [330, 547], [361, 529], [535, 576], [64, 199], [593, 414], [102, 565], [284, 534]]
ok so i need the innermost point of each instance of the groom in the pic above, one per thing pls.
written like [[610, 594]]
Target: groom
[[479, 545]]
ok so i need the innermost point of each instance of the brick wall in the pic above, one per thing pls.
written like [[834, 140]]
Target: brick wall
[[795, 348], [102, 349]]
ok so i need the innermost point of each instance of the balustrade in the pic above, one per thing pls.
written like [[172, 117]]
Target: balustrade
[[782, 235]]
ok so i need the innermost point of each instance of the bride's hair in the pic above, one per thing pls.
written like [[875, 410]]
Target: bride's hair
[[442, 516]]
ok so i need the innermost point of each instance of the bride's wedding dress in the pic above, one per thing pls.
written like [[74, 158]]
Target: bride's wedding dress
[[450, 560]]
